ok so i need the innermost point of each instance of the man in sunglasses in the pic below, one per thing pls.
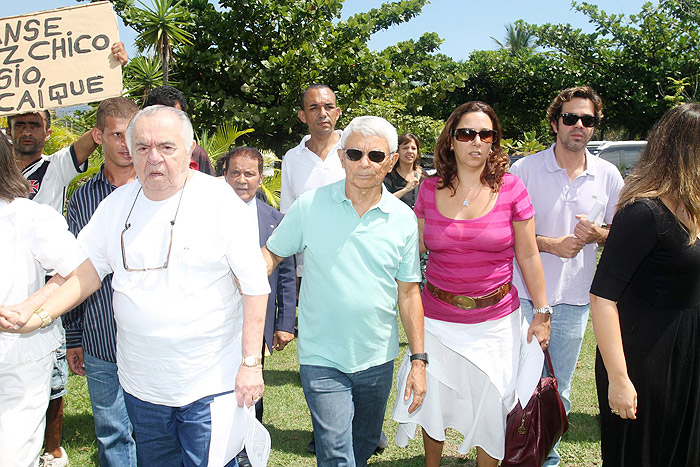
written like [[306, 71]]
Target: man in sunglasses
[[361, 249], [574, 194]]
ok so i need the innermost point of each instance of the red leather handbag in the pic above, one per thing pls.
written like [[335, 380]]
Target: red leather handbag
[[532, 432]]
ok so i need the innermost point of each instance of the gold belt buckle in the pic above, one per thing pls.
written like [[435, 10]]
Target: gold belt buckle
[[464, 302]]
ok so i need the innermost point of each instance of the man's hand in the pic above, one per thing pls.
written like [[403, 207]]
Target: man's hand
[[249, 385], [567, 246], [76, 360], [281, 338], [415, 383], [587, 231], [119, 53]]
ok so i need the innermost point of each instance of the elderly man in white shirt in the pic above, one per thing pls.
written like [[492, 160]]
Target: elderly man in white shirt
[[178, 242]]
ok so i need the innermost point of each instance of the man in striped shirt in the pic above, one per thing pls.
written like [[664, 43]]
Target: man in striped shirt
[[90, 327]]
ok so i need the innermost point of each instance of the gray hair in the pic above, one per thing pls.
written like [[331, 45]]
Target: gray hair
[[369, 125], [157, 110]]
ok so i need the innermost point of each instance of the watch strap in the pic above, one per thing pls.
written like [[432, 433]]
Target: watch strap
[[419, 356], [45, 317]]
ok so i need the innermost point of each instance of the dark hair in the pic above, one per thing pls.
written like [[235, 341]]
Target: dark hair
[[445, 162], [47, 117], [12, 182], [116, 107], [583, 92], [668, 165], [315, 86], [167, 96], [240, 151], [405, 138]]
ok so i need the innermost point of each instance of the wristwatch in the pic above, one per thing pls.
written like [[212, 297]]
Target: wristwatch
[[252, 361], [544, 310], [46, 319], [419, 356]]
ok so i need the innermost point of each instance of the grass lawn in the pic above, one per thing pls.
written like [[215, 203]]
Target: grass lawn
[[288, 421]]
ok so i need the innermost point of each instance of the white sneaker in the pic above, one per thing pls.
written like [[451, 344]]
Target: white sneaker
[[47, 460]]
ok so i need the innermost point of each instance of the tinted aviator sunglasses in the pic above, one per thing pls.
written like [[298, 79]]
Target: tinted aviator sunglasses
[[467, 134], [570, 119], [356, 154]]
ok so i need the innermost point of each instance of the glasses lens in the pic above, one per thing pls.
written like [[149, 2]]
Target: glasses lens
[[486, 136], [353, 154], [589, 121], [465, 134], [570, 119], [376, 156]]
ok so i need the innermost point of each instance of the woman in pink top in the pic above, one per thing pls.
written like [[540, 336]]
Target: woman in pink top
[[473, 218]]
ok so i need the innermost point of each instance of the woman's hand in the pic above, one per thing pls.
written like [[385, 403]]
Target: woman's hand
[[622, 397], [540, 328], [14, 317], [413, 178]]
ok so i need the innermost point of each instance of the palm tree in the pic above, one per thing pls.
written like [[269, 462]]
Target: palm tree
[[517, 39], [162, 29], [141, 75]]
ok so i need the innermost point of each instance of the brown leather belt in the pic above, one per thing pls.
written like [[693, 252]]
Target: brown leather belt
[[469, 303]]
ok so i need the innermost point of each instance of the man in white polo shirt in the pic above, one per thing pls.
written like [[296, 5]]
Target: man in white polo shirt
[[567, 184]]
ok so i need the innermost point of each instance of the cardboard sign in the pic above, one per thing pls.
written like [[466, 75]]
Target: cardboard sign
[[58, 58]]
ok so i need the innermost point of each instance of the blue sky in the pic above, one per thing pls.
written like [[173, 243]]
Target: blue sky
[[465, 25]]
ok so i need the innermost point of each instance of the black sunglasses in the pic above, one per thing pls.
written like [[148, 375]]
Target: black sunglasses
[[356, 154], [570, 119], [467, 134]]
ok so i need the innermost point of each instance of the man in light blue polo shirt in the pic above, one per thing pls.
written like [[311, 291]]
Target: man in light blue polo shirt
[[360, 247]]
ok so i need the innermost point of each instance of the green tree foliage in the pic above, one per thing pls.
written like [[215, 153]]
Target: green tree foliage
[[634, 62], [141, 75], [162, 28], [250, 62], [517, 39]]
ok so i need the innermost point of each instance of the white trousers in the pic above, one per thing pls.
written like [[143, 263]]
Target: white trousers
[[24, 397]]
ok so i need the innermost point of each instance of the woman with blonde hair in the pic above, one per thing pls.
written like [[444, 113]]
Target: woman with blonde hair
[[473, 218], [645, 301]]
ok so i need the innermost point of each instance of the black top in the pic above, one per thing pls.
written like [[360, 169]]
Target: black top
[[652, 273], [395, 182]]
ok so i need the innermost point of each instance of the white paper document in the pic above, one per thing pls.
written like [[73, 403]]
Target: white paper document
[[233, 428], [529, 367]]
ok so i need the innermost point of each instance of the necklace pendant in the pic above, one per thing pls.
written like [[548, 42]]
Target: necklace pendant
[[465, 203]]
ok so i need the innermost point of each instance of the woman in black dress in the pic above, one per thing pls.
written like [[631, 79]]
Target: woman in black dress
[[645, 301], [404, 179]]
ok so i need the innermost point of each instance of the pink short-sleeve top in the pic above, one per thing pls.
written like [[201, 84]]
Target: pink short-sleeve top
[[474, 256]]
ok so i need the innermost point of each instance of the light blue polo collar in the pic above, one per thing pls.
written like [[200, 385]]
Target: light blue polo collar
[[385, 202]]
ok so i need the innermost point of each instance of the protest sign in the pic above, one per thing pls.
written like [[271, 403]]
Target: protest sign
[[58, 58]]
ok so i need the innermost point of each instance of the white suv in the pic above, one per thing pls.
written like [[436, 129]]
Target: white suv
[[623, 154]]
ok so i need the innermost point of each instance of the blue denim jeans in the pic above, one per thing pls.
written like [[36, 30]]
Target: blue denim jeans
[[59, 375], [568, 327], [172, 436], [115, 446], [347, 411]]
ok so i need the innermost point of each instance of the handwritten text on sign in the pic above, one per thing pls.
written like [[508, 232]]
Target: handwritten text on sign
[[58, 58]]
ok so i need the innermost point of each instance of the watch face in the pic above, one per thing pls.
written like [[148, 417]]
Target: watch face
[[251, 360]]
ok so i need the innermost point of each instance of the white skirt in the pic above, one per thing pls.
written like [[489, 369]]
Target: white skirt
[[470, 383]]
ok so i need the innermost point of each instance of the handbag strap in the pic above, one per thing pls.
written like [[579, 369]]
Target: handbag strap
[[548, 361]]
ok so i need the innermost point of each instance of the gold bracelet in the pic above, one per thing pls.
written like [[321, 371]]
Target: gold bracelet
[[46, 319]]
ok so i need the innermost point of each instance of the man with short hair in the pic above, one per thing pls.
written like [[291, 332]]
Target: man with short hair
[[314, 162], [172, 97], [186, 332], [242, 167], [361, 245], [567, 184], [91, 332]]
